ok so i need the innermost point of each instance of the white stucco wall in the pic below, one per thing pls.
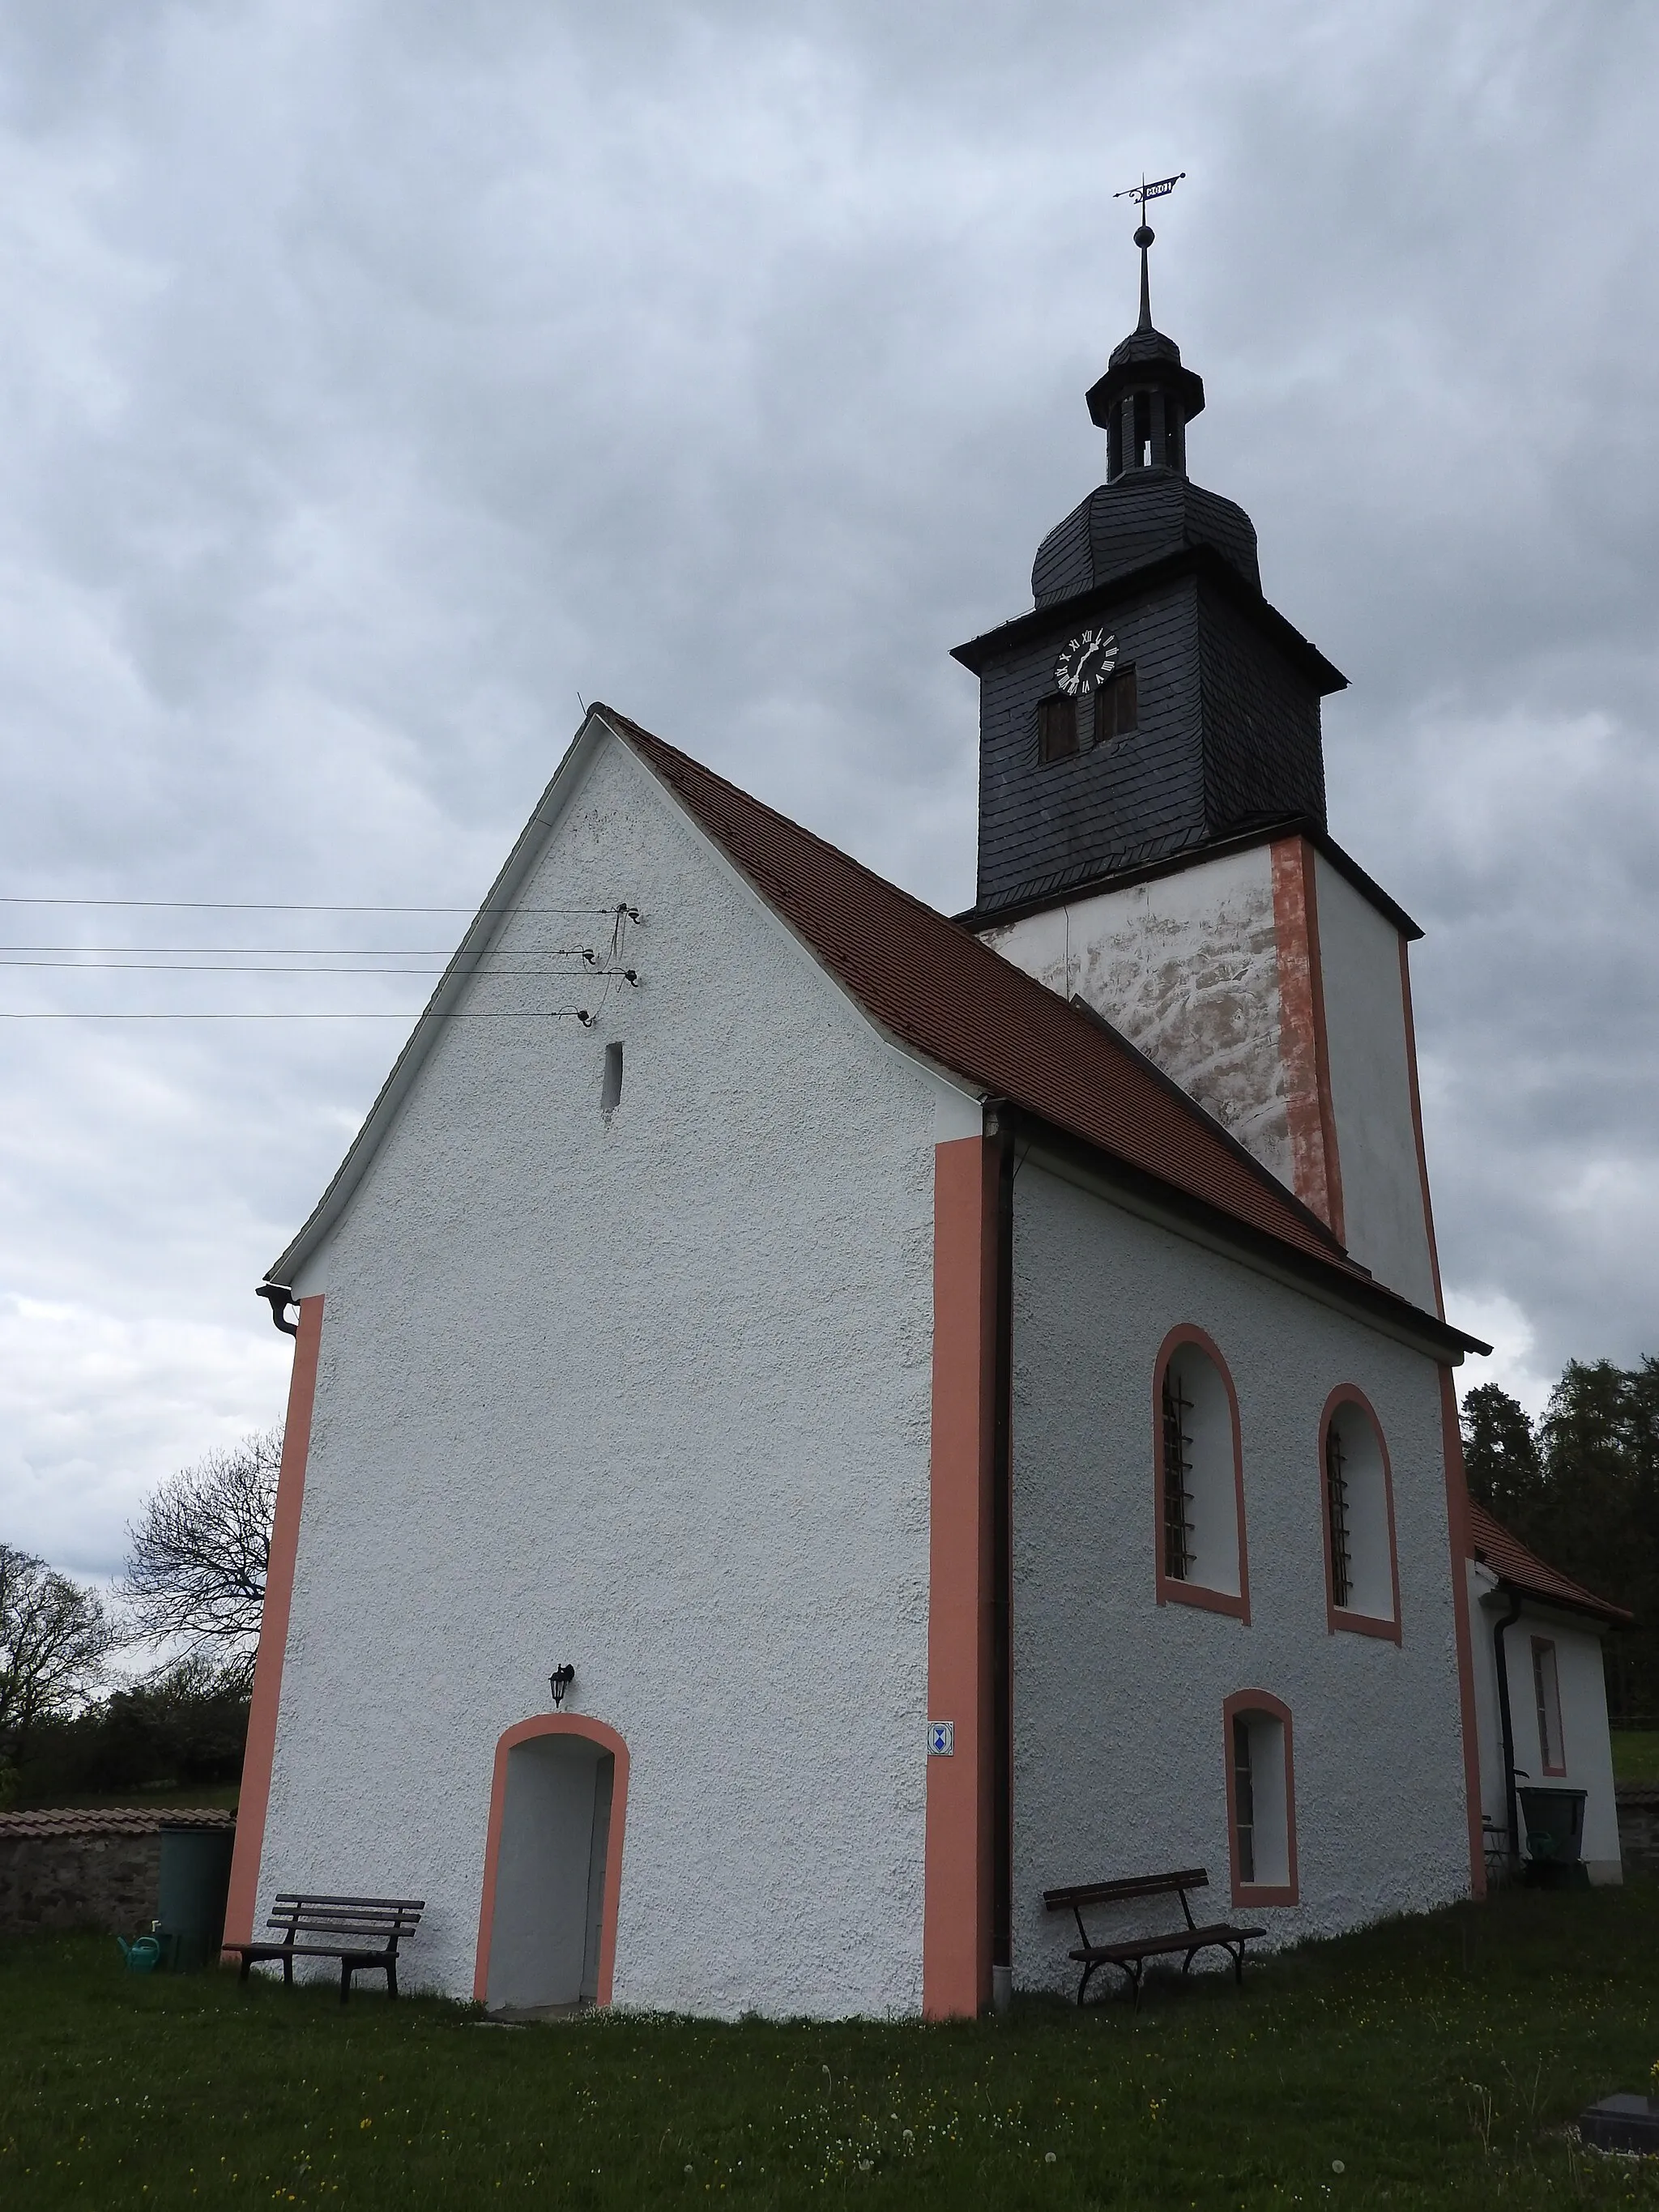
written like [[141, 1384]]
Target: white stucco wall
[[1187, 967], [1370, 1089], [1584, 1735], [1119, 1743], [651, 1396]]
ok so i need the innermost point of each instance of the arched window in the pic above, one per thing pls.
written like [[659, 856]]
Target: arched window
[[1362, 1575], [1199, 1479], [1261, 1798]]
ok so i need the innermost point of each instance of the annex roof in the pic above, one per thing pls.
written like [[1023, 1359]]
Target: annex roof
[[1491, 1544]]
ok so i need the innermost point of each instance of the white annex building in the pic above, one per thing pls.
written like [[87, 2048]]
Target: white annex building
[[970, 1399]]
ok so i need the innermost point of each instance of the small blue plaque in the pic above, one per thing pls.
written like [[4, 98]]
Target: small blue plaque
[[941, 1739]]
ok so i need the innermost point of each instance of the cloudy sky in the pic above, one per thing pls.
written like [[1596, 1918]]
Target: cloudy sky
[[382, 376]]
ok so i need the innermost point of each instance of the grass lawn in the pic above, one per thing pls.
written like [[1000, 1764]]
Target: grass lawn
[[1434, 2063], [1636, 1754]]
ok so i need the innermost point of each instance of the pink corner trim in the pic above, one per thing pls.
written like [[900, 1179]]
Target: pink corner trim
[[1457, 1519], [254, 1800], [957, 1852]]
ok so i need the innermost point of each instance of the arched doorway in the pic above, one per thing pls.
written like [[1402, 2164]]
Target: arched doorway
[[547, 1926]]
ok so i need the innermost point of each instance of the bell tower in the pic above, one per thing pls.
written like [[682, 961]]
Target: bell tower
[[1152, 702], [1152, 837]]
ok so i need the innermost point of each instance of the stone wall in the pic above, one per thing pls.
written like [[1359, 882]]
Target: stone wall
[[1638, 1826], [84, 1869]]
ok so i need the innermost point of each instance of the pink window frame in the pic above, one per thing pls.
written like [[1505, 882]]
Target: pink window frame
[[1172, 1591], [1260, 1893], [1548, 1644], [579, 1724], [1343, 1618]]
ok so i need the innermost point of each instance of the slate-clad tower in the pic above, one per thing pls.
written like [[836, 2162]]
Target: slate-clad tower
[[1205, 725], [1152, 837]]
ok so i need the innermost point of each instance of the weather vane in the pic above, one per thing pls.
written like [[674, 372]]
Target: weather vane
[[1140, 194]]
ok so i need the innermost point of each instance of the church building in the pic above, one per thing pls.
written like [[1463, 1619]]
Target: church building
[[814, 1422]]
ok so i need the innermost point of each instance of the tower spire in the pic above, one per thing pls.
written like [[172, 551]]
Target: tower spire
[[1146, 398], [1145, 234]]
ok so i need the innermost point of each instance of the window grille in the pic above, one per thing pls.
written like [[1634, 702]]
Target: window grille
[[1243, 1800], [1178, 1478], [1336, 1505]]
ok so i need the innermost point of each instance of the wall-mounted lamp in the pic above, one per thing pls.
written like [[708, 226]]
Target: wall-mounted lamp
[[559, 1681]]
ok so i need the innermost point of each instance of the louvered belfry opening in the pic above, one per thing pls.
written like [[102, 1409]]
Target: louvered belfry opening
[[1146, 428]]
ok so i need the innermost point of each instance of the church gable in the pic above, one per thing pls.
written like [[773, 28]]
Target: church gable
[[613, 928], [640, 1380]]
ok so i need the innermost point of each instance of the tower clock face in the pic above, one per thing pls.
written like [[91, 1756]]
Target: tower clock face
[[1087, 661]]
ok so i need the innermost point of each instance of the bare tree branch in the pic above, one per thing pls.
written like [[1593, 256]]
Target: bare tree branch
[[200, 1553], [54, 1640]]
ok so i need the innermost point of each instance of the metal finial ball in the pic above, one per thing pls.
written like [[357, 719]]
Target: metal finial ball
[[1144, 236]]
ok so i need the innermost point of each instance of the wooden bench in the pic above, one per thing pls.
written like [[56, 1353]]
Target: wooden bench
[[359, 1931], [1130, 1956]]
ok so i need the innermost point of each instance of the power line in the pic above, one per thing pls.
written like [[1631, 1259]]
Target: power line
[[486, 1014], [322, 951], [190, 968], [266, 906]]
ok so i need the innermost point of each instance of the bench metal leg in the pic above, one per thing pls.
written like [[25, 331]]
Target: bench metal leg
[[345, 1979], [288, 1973], [391, 1978]]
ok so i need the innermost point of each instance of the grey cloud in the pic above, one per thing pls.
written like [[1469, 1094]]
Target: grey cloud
[[388, 375]]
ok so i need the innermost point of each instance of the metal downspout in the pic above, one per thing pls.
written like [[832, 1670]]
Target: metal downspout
[[1511, 1803]]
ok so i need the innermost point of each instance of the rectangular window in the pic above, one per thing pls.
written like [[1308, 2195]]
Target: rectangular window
[[1548, 1690], [610, 1089], [1057, 728], [1116, 706], [1243, 1800]]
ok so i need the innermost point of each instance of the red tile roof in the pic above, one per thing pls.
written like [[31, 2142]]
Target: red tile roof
[[931, 984], [1491, 1543], [111, 1820]]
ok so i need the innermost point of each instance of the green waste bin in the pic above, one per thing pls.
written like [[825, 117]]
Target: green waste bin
[[1554, 1821], [195, 1879]]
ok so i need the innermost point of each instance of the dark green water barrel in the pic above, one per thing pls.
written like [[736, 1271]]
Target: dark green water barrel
[[195, 1877], [1554, 1821]]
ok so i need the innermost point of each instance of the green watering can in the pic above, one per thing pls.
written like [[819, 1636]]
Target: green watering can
[[142, 1955]]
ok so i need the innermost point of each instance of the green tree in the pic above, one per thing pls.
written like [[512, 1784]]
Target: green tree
[[55, 1639], [1500, 1454], [1597, 1518]]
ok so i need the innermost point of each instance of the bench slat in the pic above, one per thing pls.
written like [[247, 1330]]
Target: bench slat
[[1135, 1885], [1177, 1939], [322, 1897]]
